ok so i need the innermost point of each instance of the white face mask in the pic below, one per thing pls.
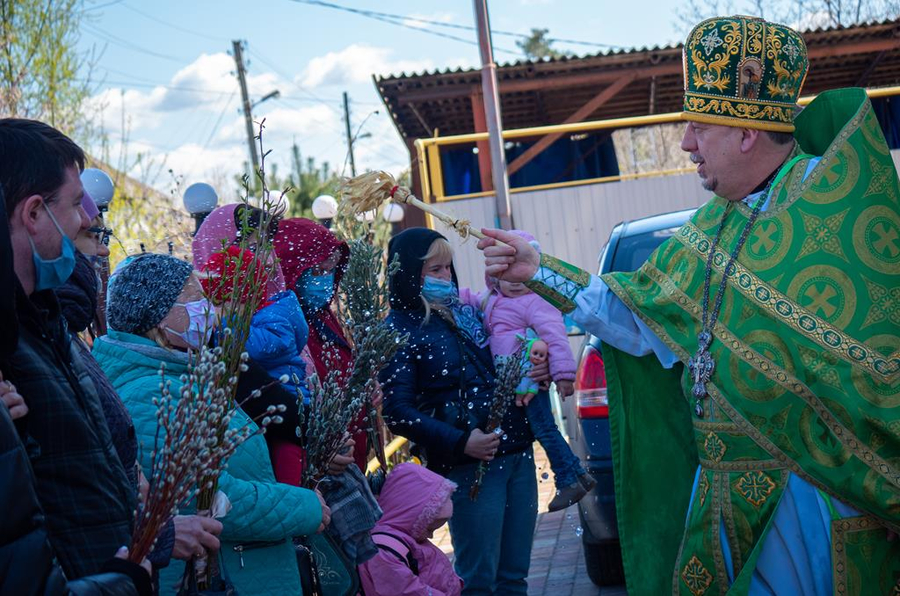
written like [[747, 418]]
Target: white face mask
[[201, 321]]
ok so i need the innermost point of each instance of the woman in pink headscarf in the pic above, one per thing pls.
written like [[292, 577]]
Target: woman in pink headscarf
[[415, 502]]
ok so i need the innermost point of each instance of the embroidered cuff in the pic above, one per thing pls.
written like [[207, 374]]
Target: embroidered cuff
[[558, 282]]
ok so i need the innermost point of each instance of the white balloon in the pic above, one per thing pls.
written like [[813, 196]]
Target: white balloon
[[392, 212], [99, 185]]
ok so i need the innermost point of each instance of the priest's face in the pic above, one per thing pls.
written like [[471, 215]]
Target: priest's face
[[717, 152]]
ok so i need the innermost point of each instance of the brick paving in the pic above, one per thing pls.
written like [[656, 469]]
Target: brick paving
[[557, 560]]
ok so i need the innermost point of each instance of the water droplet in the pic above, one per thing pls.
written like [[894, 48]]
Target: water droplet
[[470, 405], [505, 437], [545, 475], [579, 531], [444, 372]]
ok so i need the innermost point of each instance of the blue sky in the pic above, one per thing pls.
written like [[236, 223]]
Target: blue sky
[[165, 65]]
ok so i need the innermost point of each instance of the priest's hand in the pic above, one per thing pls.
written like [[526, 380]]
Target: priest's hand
[[514, 260]]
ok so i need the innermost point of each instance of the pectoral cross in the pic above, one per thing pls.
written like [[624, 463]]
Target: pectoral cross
[[701, 367]]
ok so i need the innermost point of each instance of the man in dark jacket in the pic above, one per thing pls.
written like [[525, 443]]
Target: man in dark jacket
[[27, 564], [81, 483]]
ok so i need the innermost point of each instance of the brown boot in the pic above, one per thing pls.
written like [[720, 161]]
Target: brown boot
[[566, 496]]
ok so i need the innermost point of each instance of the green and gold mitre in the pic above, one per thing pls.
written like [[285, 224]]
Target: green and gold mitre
[[743, 71]]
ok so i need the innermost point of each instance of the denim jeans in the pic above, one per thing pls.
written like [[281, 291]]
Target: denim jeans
[[492, 535], [565, 465]]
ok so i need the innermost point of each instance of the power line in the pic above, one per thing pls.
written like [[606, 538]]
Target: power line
[[398, 20], [395, 17], [215, 128], [173, 25], [124, 43]]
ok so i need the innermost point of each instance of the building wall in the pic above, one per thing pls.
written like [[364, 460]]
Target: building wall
[[571, 223], [574, 223]]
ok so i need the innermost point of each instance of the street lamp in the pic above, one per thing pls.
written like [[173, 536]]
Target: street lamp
[[324, 208], [393, 213], [271, 95], [99, 186], [199, 200]]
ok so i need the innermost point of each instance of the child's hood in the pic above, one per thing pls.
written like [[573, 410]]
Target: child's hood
[[411, 499]]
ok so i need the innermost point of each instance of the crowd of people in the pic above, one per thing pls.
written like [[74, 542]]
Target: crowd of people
[[777, 474], [81, 366]]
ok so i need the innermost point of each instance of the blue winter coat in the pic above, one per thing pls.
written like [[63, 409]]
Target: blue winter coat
[[423, 392], [278, 333], [262, 509]]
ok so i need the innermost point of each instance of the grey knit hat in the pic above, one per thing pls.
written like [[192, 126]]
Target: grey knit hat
[[144, 292]]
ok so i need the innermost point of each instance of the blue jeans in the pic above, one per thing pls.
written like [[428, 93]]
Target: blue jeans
[[492, 535], [565, 465]]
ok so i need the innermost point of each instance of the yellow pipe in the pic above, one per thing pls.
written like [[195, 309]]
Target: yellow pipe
[[390, 450], [629, 122], [570, 183]]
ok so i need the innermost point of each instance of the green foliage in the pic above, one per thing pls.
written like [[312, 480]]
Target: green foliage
[[537, 46], [39, 61], [305, 182]]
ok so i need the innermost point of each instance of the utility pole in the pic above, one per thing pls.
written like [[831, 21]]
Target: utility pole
[[349, 134], [245, 98], [492, 116]]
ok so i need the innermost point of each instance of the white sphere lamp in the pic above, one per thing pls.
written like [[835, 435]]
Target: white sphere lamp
[[392, 212], [99, 185], [324, 207]]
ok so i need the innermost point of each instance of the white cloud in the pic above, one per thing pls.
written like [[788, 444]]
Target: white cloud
[[356, 64]]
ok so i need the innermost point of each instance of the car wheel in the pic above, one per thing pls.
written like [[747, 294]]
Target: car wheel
[[604, 564]]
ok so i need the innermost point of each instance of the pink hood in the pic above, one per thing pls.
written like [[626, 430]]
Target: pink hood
[[220, 226], [411, 498]]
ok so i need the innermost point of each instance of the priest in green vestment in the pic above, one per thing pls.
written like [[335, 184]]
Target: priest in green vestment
[[753, 362]]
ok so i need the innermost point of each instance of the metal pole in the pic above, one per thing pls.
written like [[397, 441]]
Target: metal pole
[[349, 134], [492, 116], [248, 117]]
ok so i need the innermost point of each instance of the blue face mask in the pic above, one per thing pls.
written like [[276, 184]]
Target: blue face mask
[[52, 273], [438, 291], [315, 291]]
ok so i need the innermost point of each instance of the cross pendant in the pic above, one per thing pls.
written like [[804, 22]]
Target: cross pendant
[[701, 367]]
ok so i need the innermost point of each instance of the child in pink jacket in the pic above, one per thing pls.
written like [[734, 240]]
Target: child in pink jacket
[[415, 502], [512, 312]]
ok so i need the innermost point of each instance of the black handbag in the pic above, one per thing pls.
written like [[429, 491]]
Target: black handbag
[[219, 585], [324, 568]]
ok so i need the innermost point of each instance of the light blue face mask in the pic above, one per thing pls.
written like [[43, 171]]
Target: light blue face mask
[[438, 291], [315, 291], [52, 273]]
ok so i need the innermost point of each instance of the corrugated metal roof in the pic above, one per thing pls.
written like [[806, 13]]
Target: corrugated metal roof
[[541, 92]]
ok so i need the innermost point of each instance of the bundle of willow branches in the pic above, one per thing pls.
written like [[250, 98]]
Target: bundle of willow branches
[[365, 303], [337, 401], [509, 371], [189, 445]]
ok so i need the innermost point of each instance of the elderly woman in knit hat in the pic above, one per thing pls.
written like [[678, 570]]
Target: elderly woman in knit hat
[[156, 313]]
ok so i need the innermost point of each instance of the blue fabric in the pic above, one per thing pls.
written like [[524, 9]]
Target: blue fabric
[[565, 465], [277, 335], [887, 110], [593, 156], [421, 388], [263, 510], [492, 535], [796, 552]]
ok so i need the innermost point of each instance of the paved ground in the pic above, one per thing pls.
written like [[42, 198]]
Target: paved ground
[[557, 561]]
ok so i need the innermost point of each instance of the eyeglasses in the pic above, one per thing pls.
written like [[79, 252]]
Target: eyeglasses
[[101, 234]]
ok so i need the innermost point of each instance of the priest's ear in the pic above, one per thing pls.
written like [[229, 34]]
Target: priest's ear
[[750, 139]]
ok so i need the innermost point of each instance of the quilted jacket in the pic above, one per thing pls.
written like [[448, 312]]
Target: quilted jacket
[[263, 511], [278, 333]]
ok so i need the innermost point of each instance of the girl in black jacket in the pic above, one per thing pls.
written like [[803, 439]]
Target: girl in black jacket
[[437, 393]]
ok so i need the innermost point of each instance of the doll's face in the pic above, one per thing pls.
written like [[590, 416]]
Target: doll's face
[[538, 353]]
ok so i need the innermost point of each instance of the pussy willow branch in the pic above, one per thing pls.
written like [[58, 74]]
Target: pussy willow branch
[[509, 373]]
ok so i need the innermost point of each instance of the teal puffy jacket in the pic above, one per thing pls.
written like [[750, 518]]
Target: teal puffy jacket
[[263, 511]]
